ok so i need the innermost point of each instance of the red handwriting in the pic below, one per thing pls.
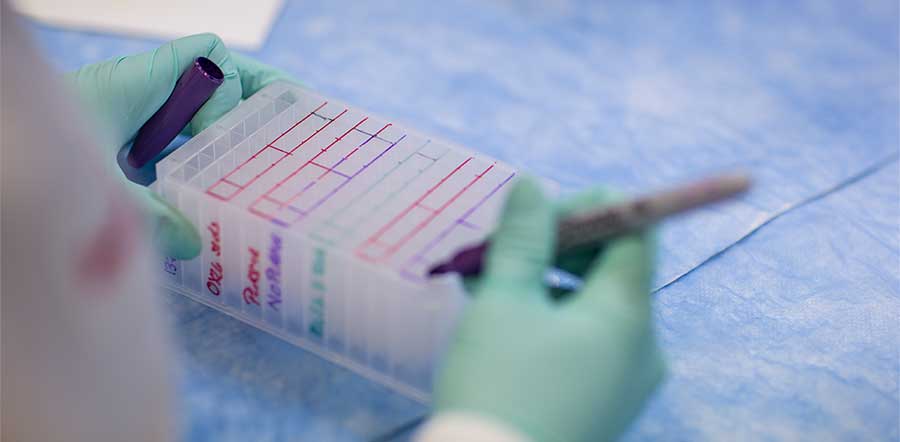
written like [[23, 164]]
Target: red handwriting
[[214, 280], [216, 244], [251, 291]]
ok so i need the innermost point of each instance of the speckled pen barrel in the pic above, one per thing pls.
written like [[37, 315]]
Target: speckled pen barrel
[[592, 227], [194, 87]]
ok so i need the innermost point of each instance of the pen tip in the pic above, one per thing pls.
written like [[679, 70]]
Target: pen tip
[[438, 270]]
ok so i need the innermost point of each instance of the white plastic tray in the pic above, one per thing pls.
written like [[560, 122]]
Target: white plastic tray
[[319, 222]]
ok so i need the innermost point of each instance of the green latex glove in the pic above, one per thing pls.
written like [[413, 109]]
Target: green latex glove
[[576, 369], [125, 92]]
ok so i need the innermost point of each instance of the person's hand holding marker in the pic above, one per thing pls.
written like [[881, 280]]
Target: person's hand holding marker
[[125, 92], [534, 368]]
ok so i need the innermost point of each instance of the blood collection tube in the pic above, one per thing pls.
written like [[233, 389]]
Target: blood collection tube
[[194, 87]]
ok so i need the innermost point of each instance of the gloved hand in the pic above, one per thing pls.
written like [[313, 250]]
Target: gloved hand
[[576, 369], [125, 92]]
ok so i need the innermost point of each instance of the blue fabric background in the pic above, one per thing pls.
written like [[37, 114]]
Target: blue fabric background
[[778, 313]]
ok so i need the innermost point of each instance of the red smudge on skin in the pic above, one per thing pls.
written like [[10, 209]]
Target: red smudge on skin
[[110, 247]]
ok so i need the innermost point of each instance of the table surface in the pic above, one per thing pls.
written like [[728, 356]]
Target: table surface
[[778, 313]]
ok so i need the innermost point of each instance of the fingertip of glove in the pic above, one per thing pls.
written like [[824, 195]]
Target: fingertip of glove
[[177, 238], [173, 235], [527, 216], [526, 193]]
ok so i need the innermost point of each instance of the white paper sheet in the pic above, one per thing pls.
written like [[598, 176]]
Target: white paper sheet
[[241, 24]]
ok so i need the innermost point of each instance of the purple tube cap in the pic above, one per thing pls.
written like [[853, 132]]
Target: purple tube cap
[[467, 262], [194, 87]]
